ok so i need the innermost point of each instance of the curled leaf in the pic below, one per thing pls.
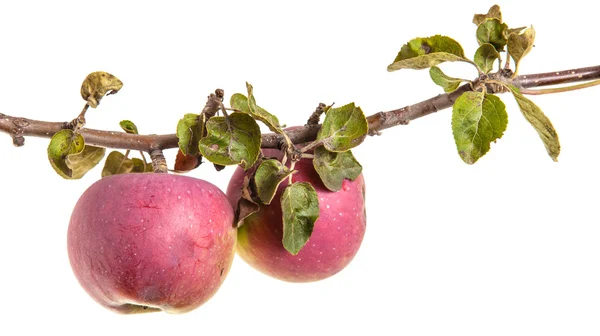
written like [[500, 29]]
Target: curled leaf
[[190, 129], [64, 143], [98, 84], [185, 163], [493, 13], [519, 45], [485, 57], [128, 126], [82, 162], [248, 202], [423, 53], [300, 208]]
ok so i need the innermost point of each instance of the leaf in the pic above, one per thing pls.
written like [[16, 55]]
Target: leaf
[[63, 144], [116, 163], [248, 202], [128, 126], [493, 13], [511, 31], [539, 121], [268, 177], [231, 141], [477, 120], [185, 163], [300, 208], [98, 84], [248, 105], [449, 84], [334, 167], [492, 31], [140, 167], [423, 53], [190, 129], [84, 161], [343, 128], [485, 56], [519, 45]]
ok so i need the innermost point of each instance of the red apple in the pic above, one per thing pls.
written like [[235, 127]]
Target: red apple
[[336, 237], [149, 242]]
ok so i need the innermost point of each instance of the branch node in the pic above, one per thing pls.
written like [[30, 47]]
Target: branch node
[[159, 163], [18, 140]]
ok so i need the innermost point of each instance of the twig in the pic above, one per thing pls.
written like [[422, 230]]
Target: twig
[[19, 127]]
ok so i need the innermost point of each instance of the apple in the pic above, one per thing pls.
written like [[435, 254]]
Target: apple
[[150, 242], [336, 237]]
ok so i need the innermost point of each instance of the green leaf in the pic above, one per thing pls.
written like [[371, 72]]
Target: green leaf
[[343, 128], [492, 31], [519, 45], [231, 141], [334, 167], [268, 177], [493, 13], [423, 53], [300, 208], [84, 161], [98, 84], [116, 163], [190, 129], [248, 105], [449, 84], [140, 167], [477, 120], [128, 126], [539, 121], [63, 144], [485, 56]]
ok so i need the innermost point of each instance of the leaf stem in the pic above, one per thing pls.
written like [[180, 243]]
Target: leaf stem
[[311, 145], [561, 89]]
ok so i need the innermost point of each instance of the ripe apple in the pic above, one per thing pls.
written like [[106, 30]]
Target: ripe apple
[[336, 237], [150, 242]]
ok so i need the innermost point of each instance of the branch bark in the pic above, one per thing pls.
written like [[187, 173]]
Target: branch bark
[[18, 127]]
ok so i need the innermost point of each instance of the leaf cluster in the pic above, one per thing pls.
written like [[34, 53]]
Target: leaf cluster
[[479, 117]]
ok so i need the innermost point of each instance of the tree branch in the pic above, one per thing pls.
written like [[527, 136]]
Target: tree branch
[[18, 127]]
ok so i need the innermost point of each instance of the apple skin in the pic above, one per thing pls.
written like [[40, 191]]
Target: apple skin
[[336, 237], [149, 242]]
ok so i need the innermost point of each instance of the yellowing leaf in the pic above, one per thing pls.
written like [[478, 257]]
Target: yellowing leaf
[[98, 84]]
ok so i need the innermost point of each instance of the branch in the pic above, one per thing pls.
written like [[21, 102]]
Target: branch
[[18, 127]]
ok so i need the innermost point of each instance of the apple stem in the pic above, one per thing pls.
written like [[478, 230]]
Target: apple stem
[[159, 163]]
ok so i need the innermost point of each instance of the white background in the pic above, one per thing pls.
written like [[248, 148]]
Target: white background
[[509, 246]]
